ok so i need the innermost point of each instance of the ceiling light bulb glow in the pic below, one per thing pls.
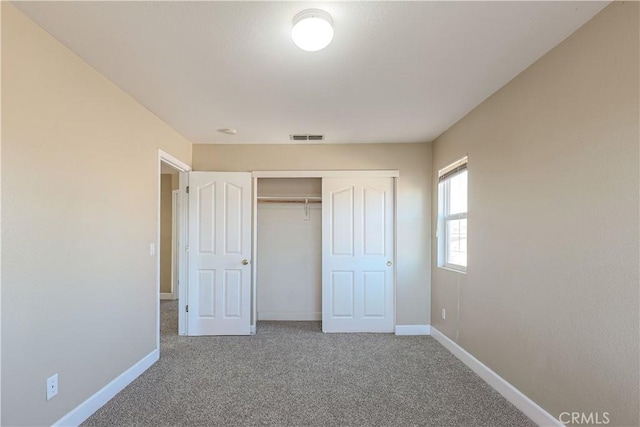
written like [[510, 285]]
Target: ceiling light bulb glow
[[312, 30]]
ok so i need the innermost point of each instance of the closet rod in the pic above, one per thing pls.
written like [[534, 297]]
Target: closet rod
[[303, 198], [275, 200]]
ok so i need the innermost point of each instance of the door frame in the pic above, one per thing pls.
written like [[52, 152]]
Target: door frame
[[384, 173], [175, 227], [164, 157]]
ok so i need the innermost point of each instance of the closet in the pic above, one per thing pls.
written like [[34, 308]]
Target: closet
[[289, 244]]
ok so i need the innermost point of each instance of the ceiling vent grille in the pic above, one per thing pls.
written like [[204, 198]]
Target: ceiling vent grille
[[306, 137]]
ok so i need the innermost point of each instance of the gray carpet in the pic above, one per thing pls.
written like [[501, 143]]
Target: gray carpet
[[291, 374]]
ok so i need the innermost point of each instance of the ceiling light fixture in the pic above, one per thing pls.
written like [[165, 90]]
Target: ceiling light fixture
[[312, 30]]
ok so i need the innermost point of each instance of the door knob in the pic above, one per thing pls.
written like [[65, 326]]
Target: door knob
[[245, 261], [389, 263]]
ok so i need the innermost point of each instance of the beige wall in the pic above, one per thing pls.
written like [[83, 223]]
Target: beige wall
[[273, 187], [413, 161], [166, 225], [550, 301], [78, 285]]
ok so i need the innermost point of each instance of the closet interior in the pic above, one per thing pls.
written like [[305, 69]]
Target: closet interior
[[289, 247]]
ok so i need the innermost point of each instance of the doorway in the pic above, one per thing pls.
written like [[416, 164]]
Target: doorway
[[289, 269], [171, 192], [168, 229], [357, 247]]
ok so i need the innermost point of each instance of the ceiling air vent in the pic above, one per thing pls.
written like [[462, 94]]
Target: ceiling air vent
[[305, 137]]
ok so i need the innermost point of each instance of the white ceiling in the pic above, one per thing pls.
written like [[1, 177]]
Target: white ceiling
[[395, 71]]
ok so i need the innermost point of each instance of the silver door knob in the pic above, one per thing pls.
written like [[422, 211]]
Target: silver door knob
[[245, 261], [389, 263]]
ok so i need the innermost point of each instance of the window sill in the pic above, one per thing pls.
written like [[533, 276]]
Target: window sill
[[453, 269]]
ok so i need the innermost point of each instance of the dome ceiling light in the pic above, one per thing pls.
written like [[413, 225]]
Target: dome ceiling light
[[312, 30]]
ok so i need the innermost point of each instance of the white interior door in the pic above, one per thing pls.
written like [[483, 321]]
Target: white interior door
[[219, 294], [357, 255]]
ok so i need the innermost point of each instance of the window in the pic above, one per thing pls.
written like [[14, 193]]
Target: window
[[452, 216]]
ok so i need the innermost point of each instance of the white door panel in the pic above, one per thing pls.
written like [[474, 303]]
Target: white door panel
[[219, 240], [342, 216], [357, 229], [374, 286]]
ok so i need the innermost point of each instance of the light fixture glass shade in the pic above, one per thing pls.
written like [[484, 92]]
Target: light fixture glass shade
[[312, 30]]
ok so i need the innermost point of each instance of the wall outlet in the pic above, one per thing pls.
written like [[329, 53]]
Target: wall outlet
[[52, 386], [152, 249], [444, 314]]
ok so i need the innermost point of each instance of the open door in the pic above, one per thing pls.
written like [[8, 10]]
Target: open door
[[357, 255], [219, 282]]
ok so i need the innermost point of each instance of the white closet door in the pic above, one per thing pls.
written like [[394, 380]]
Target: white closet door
[[357, 255], [219, 294]]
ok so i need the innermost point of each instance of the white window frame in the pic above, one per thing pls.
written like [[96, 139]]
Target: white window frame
[[444, 216]]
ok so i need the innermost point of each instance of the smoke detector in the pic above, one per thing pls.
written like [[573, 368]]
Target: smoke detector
[[228, 131]]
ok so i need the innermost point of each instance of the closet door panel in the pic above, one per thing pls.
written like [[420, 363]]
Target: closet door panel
[[374, 212], [374, 301], [342, 294], [232, 294], [357, 231], [342, 217], [233, 213], [219, 275], [207, 218], [206, 294]]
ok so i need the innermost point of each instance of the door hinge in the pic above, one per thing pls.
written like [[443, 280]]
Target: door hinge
[[187, 308], [187, 189]]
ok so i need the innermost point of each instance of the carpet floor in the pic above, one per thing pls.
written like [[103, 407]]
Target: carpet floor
[[291, 374]]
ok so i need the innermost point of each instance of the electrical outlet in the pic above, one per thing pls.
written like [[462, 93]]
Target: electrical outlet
[[444, 314], [52, 386], [152, 249]]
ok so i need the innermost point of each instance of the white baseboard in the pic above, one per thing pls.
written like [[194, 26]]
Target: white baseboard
[[95, 402], [252, 329], [166, 295], [413, 330], [289, 316], [530, 408]]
